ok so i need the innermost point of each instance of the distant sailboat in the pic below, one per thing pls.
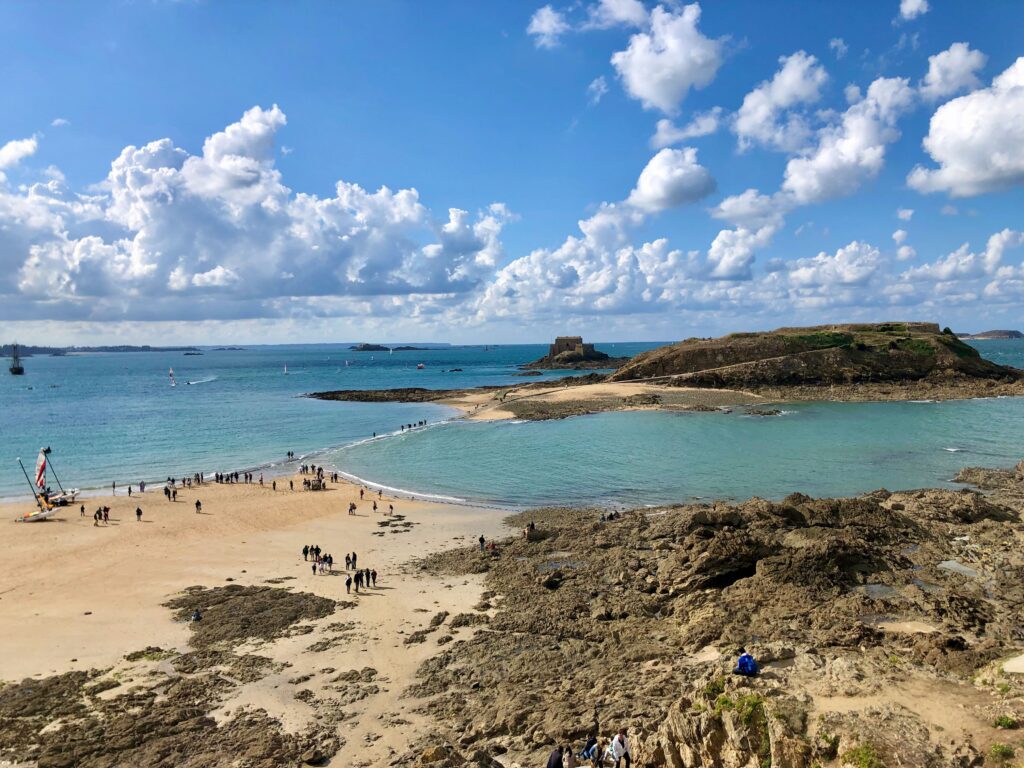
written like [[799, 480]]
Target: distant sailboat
[[171, 374], [17, 369], [286, 369]]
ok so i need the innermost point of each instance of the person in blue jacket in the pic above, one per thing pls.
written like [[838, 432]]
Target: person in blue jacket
[[746, 665]]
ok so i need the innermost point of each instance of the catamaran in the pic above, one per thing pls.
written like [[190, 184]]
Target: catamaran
[[47, 503]]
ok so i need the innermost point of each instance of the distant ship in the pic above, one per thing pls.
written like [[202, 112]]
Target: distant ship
[[17, 369]]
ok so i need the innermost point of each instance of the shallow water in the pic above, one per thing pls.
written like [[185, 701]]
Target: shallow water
[[115, 417]]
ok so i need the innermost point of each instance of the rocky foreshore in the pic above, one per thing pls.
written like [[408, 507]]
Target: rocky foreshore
[[882, 624]]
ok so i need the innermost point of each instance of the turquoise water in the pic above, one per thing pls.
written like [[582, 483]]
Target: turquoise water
[[115, 417], [647, 457]]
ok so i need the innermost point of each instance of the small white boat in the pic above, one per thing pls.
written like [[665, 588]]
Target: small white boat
[[420, 367], [171, 374], [286, 369]]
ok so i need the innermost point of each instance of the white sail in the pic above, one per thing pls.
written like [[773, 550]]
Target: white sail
[[171, 374]]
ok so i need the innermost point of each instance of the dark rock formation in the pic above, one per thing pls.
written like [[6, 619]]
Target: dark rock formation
[[833, 355]]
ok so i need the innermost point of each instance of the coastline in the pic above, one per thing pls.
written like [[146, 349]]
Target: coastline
[[539, 402], [446, 656], [80, 598]]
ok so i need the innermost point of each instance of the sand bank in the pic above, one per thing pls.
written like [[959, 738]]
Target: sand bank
[[79, 597]]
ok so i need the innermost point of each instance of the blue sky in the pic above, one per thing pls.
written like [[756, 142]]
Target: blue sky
[[464, 105]]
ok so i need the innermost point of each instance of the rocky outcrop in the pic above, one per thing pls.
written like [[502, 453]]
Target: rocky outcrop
[[993, 335], [861, 611], [569, 352], [818, 356]]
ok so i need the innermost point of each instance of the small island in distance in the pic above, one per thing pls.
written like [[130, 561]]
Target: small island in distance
[[992, 335], [382, 348], [27, 350]]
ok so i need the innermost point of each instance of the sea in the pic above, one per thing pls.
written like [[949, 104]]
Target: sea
[[115, 418]]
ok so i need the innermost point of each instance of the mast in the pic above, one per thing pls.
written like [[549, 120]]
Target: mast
[[27, 480], [49, 462]]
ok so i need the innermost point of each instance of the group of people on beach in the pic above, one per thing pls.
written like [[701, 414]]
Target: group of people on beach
[[410, 426], [323, 562]]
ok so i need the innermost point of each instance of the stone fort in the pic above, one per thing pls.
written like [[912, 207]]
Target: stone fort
[[570, 344]]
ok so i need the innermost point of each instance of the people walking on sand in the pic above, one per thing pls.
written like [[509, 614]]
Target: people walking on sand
[[199, 506], [138, 514], [314, 568], [330, 563], [482, 540], [81, 511], [291, 485], [373, 577], [391, 510], [113, 489], [96, 518], [174, 494], [361, 491], [358, 580], [106, 515], [348, 585], [354, 556], [142, 486], [305, 552], [375, 507], [129, 491], [348, 561]]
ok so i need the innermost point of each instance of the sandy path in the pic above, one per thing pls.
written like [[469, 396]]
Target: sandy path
[[487, 405], [75, 596]]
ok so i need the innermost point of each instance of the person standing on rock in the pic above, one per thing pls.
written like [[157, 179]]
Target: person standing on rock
[[555, 758], [620, 750]]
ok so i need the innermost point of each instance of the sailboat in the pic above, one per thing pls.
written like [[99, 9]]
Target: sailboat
[[46, 503], [17, 369], [171, 374], [286, 369]]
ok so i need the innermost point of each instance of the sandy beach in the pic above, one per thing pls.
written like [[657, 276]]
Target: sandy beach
[[560, 401], [79, 597]]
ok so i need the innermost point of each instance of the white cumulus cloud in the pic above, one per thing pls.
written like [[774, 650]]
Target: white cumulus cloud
[[612, 13], [702, 124], [977, 140], [911, 9], [671, 178], [13, 152], [953, 70], [661, 64], [547, 27], [798, 81], [852, 150]]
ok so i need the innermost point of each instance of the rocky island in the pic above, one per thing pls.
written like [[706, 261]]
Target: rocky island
[[993, 335], [382, 348], [848, 362], [569, 352]]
